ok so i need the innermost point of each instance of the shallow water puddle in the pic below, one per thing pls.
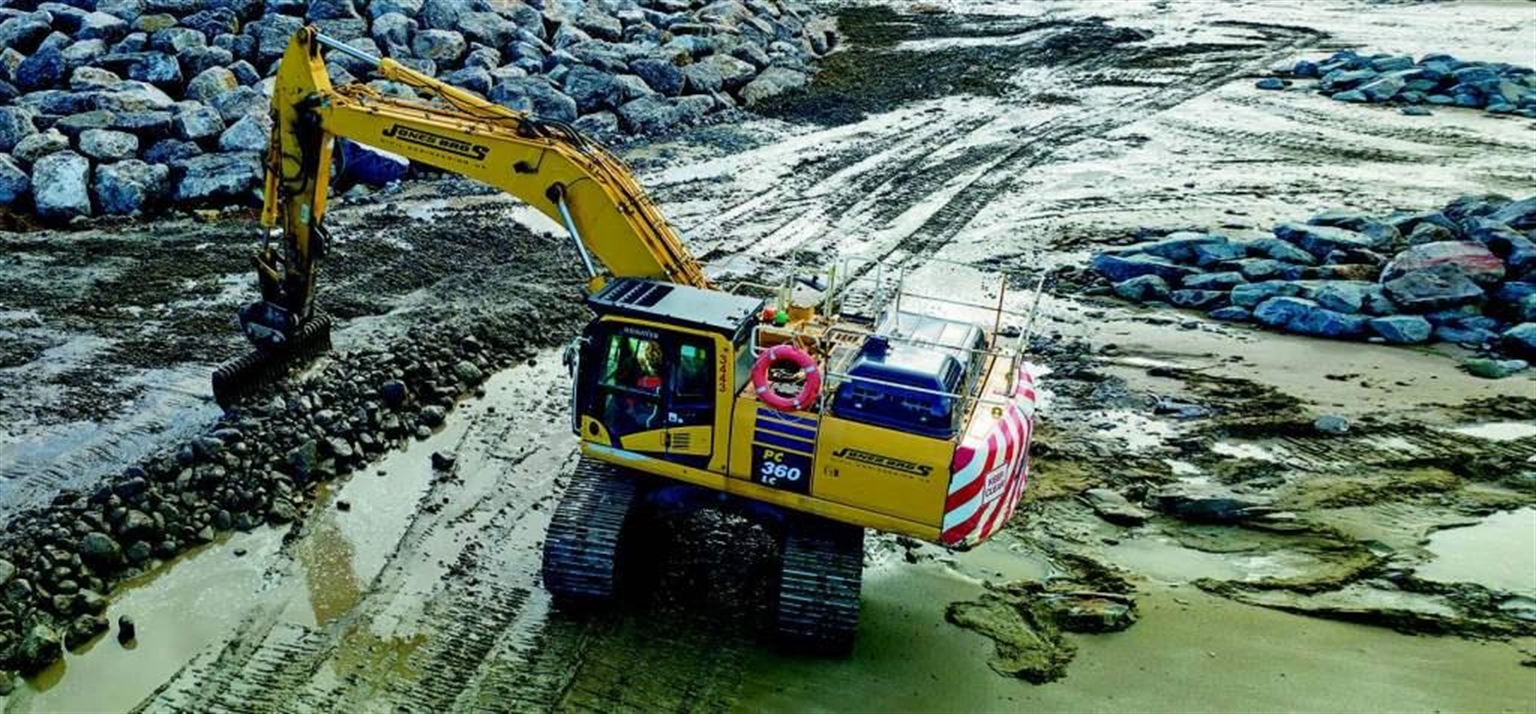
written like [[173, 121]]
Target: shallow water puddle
[[177, 612], [1247, 450], [1500, 553], [1498, 431]]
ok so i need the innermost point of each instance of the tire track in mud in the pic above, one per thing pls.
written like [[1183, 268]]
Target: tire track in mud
[[1047, 140], [399, 648], [878, 195]]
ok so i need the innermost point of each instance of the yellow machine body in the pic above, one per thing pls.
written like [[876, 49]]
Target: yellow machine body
[[954, 478]]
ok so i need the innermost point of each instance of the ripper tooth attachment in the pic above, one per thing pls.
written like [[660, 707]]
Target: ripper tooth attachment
[[258, 368]]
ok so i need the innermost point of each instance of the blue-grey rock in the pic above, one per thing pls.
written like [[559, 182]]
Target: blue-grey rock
[[474, 79], [1340, 80], [1476, 74], [197, 123], [330, 10], [1520, 215], [1271, 83], [1143, 288], [593, 90], [245, 73], [169, 151], [1122, 268], [632, 87], [1198, 299], [130, 187], [14, 183], [773, 82], [176, 40], [211, 83], [1377, 303], [38, 145], [1261, 269], [1353, 96], [24, 33], [1472, 259], [599, 124], [1494, 368], [1214, 281], [1277, 249], [88, 79], [408, 8], [239, 104], [1232, 314], [249, 134], [734, 73], [656, 114], [60, 186], [1342, 296], [1305, 317], [1207, 255], [392, 31], [157, 68], [1465, 335], [147, 125], [1392, 64], [1321, 240], [74, 124], [16, 123], [446, 14], [1305, 70], [216, 177], [535, 95], [1432, 289], [1520, 341], [44, 69], [1332, 424], [1439, 100], [1383, 88], [1251, 295], [444, 46], [1402, 329], [213, 22], [701, 78], [1427, 232], [108, 145], [1176, 247]]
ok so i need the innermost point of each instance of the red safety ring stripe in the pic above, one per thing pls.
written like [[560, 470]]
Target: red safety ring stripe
[[807, 365]]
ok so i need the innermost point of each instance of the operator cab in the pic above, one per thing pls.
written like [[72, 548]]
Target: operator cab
[[656, 367]]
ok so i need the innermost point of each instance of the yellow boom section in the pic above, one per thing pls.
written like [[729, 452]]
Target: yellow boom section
[[545, 164]]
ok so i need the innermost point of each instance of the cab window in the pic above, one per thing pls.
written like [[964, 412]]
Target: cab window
[[693, 371], [633, 363]]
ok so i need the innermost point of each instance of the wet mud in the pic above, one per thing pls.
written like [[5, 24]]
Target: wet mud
[[1251, 561]]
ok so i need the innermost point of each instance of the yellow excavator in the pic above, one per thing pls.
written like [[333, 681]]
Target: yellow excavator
[[774, 402]]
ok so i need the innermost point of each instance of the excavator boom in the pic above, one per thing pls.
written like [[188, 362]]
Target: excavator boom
[[549, 165]]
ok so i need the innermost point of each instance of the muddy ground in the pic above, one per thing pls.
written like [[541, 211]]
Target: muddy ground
[[1389, 567]]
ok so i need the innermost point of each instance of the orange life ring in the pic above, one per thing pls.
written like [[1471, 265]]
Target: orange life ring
[[807, 365]]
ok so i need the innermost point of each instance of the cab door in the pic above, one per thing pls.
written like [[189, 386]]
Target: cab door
[[691, 395], [626, 406]]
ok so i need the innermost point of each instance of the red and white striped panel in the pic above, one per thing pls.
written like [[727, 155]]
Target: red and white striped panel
[[988, 474]]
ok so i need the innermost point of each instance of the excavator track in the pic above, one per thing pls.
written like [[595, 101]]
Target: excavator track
[[817, 611], [253, 370], [582, 547]]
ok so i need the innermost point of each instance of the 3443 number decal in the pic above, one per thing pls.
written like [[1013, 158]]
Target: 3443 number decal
[[784, 470]]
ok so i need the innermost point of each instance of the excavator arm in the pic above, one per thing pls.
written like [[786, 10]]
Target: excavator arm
[[615, 226]]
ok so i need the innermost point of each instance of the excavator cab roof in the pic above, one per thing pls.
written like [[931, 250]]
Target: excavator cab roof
[[675, 304]]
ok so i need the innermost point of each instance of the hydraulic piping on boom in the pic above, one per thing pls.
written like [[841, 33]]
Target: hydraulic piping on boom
[[615, 226]]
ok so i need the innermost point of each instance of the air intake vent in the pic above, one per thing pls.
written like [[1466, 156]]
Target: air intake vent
[[679, 442], [638, 293]]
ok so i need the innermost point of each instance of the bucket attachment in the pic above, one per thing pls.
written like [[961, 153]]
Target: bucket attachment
[[250, 372]]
